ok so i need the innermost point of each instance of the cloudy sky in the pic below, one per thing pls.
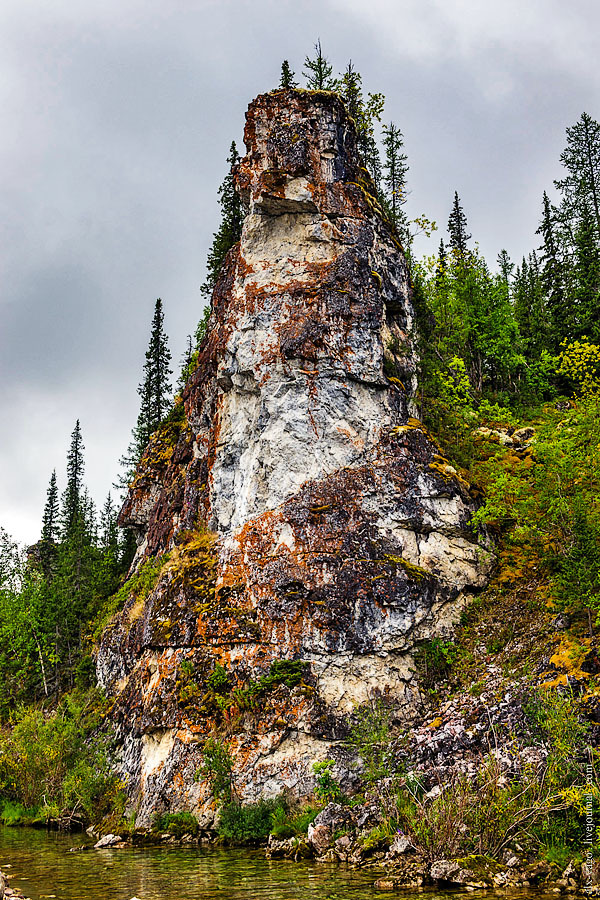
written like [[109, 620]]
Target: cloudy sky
[[117, 118]]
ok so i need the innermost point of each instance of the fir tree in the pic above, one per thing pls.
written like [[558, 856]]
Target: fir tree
[[155, 394], [457, 228], [505, 266], [581, 159], [552, 273], [395, 167], [50, 521], [365, 113], [230, 229], [287, 76], [50, 527], [586, 275], [72, 497], [318, 72]]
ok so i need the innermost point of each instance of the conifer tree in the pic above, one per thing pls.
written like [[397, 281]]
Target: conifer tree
[[50, 527], [72, 497], [155, 389], [318, 72], [229, 230], [505, 266], [581, 159], [287, 80], [586, 275], [365, 113], [155, 394], [552, 274], [395, 167], [457, 228]]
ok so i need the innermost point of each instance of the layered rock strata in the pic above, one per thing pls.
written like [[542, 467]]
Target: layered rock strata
[[299, 532]]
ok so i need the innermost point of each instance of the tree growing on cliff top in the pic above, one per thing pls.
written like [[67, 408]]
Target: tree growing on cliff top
[[230, 229], [287, 76], [318, 72]]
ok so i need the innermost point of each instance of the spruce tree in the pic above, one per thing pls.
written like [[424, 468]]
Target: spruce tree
[[586, 275], [365, 113], [553, 273], [155, 389], [230, 229], [50, 527], [318, 72], [72, 496], [395, 167], [155, 394], [457, 228], [505, 266], [287, 80], [581, 159]]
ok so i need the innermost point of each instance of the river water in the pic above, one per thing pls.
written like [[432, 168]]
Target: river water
[[42, 867]]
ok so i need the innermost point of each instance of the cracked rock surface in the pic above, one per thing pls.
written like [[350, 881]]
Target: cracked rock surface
[[295, 507]]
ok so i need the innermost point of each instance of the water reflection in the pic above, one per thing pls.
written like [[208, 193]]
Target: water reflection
[[43, 867]]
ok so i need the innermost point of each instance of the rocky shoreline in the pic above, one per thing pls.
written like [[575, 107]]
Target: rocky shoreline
[[397, 868], [7, 891]]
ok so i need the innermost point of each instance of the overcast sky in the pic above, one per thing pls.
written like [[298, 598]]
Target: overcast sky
[[117, 119]]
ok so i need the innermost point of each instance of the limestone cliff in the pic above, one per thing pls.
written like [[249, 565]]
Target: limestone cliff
[[306, 533]]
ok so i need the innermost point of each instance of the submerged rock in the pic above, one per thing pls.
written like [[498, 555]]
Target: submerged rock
[[295, 508]]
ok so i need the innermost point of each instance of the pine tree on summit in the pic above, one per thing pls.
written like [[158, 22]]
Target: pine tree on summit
[[318, 72], [457, 228], [287, 80]]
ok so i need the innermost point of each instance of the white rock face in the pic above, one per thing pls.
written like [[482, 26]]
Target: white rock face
[[341, 537]]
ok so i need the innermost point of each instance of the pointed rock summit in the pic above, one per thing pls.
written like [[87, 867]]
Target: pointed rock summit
[[299, 531]]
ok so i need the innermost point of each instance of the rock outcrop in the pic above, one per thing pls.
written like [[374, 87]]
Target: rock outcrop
[[299, 532]]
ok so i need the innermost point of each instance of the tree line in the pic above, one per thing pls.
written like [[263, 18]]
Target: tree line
[[486, 337]]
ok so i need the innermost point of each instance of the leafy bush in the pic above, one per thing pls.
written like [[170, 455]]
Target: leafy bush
[[218, 769], [58, 761], [484, 814], [328, 789], [248, 824], [434, 660], [176, 824], [285, 825], [370, 736]]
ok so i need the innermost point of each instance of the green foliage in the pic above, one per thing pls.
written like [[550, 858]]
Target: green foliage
[[433, 660], [370, 735], [287, 80], [328, 789], [285, 825], [549, 502], [218, 680], [247, 824], [58, 763], [176, 824], [138, 587], [217, 768], [483, 815], [230, 228], [318, 72]]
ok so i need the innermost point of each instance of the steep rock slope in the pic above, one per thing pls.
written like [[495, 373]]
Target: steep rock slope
[[293, 508]]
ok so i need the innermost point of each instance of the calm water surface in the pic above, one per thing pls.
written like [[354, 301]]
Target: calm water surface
[[43, 868]]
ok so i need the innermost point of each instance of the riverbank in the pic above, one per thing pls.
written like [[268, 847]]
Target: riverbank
[[7, 892]]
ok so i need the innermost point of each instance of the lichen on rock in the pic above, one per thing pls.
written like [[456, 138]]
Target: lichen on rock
[[332, 532]]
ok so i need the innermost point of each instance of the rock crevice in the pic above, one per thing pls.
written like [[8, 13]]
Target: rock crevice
[[305, 514]]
